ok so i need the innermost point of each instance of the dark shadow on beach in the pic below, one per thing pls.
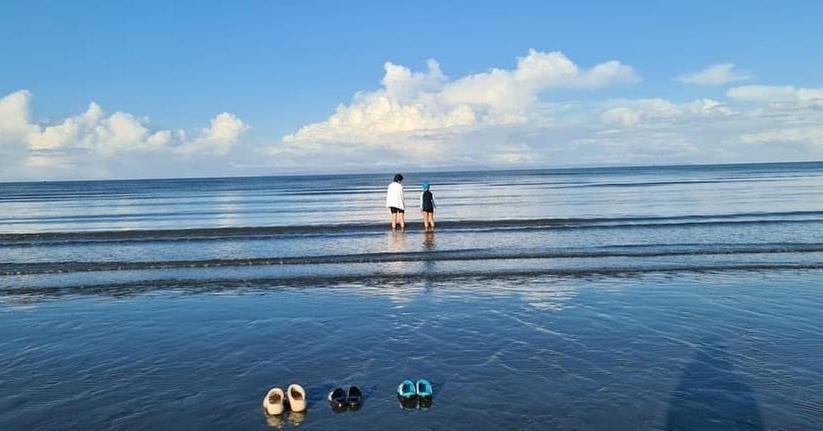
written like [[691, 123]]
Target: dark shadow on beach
[[710, 396]]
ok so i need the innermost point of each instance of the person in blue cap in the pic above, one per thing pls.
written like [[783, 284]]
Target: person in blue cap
[[427, 207]]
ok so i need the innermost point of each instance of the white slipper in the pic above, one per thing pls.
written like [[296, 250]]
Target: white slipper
[[297, 398], [273, 402]]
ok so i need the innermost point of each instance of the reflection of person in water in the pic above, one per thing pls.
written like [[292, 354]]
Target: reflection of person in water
[[429, 261], [711, 396], [397, 242], [428, 240]]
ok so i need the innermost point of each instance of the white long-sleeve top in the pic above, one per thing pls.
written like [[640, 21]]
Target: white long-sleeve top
[[394, 196]]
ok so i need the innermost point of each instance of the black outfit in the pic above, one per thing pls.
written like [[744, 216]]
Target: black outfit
[[428, 202], [395, 210]]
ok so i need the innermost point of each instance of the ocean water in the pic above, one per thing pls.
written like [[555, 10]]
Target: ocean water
[[683, 297]]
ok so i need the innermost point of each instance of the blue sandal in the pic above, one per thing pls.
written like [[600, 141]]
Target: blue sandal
[[406, 390], [424, 389]]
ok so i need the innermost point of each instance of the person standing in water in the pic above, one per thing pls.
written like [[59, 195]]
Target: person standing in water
[[396, 203], [427, 207]]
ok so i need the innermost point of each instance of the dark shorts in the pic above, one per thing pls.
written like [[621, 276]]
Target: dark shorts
[[429, 211], [395, 210]]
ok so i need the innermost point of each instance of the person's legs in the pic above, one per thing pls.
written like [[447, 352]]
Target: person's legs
[[425, 221], [402, 217], [393, 216], [431, 220]]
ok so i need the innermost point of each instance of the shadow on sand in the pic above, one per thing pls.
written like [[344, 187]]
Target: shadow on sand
[[710, 396]]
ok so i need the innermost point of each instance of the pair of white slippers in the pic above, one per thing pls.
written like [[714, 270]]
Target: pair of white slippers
[[274, 401]]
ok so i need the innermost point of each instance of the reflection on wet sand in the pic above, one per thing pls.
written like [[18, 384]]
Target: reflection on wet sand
[[277, 421], [429, 265], [274, 421], [397, 242], [428, 241], [398, 292], [296, 418]]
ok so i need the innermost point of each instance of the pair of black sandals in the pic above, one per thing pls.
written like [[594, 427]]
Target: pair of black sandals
[[340, 400]]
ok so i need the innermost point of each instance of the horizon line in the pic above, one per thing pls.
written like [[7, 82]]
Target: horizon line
[[413, 171]]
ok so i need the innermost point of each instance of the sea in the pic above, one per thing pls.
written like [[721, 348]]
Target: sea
[[624, 298]]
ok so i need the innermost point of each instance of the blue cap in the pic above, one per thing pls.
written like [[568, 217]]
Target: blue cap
[[425, 185]]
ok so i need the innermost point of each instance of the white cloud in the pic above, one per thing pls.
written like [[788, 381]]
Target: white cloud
[[502, 93], [90, 130], [787, 119], [427, 120], [14, 118], [412, 107], [810, 135], [405, 85], [634, 112], [79, 129], [502, 118], [777, 94], [716, 74], [108, 135], [219, 138], [93, 139]]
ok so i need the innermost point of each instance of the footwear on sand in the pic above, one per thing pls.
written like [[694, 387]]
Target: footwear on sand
[[273, 402], [424, 389], [355, 398], [406, 389], [337, 399], [297, 398]]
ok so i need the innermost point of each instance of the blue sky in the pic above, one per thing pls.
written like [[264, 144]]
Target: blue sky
[[276, 67]]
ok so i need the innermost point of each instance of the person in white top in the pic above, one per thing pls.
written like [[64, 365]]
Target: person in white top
[[396, 203]]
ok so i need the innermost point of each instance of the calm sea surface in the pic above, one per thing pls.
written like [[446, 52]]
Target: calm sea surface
[[617, 298]]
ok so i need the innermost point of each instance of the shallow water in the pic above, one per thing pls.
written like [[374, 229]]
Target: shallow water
[[639, 298]]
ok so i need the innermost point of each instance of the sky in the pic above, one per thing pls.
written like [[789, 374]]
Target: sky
[[96, 90]]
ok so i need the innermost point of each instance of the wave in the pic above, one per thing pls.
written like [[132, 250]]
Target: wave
[[15, 269], [253, 232], [377, 279]]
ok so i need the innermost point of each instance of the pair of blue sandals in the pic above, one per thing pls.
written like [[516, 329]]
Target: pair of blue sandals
[[411, 394]]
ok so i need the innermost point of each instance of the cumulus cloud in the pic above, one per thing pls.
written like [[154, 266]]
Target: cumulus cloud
[[425, 119], [14, 115], [504, 117], [103, 134], [716, 74], [90, 130], [219, 138], [416, 106], [93, 137]]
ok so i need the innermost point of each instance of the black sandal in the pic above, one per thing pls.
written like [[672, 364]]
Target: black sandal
[[337, 399], [355, 398]]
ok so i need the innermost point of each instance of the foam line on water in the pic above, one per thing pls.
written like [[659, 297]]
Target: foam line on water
[[193, 234], [376, 279], [9, 269]]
